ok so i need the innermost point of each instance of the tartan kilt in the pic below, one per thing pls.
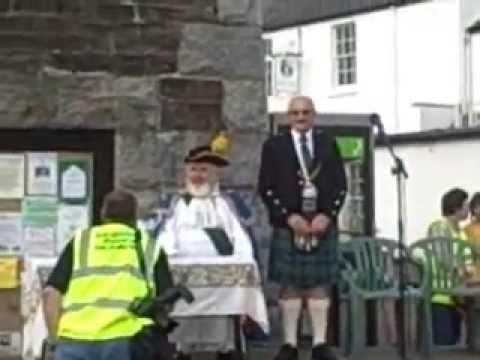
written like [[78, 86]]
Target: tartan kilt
[[290, 267]]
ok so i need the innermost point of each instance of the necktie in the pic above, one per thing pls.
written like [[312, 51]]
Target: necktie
[[307, 156]]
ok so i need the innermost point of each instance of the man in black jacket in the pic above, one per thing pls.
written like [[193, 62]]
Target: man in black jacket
[[303, 185]]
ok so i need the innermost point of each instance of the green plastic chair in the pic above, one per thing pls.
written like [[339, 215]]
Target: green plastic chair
[[446, 263], [370, 273]]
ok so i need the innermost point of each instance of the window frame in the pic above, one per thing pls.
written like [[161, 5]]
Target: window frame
[[345, 55]]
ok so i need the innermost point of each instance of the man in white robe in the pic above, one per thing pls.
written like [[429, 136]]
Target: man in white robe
[[204, 224]]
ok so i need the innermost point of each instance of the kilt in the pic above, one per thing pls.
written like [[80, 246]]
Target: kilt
[[290, 267]]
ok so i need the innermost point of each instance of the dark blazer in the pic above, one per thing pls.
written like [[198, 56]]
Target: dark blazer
[[280, 178]]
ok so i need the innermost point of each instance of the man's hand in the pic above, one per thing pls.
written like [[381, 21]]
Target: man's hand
[[320, 224], [299, 225], [52, 310]]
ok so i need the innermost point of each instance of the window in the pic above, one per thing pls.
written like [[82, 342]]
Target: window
[[345, 60]]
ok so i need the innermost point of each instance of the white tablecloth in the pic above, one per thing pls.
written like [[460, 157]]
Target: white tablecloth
[[229, 287], [221, 287], [34, 328]]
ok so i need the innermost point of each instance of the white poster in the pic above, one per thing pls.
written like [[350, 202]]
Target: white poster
[[287, 75], [39, 241], [12, 173], [42, 174], [74, 183], [10, 343], [11, 232], [70, 218]]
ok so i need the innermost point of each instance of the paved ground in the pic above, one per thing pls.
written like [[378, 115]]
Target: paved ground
[[267, 354]]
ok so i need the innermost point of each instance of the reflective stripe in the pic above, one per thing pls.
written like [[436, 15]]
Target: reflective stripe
[[106, 270], [101, 303], [84, 247]]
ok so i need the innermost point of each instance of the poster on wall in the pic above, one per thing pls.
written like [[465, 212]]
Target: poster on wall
[[12, 171], [287, 75], [11, 232], [40, 215], [70, 219], [39, 211], [42, 174], [39, 241], [8, 272], [74, 180]]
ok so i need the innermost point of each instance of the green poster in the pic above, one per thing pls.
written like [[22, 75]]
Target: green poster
[[39, 211], [74, 181], [351, 147]]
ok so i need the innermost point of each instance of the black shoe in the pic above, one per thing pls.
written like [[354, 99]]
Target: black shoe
[[323, 352], [182, 356], [229, 355], [287, 352]]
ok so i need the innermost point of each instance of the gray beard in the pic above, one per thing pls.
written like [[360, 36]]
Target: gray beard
[[200, 191]]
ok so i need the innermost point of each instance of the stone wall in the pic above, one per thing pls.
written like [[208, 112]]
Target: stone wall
[[165, 74]]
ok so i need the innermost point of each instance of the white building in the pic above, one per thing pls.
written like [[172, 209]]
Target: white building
[[409, 61], [435, 162]]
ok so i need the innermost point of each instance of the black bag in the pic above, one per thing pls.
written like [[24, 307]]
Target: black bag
[[220, 240], [151, 343]]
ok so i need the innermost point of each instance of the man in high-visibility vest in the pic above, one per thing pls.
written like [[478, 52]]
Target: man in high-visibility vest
[[445, 309], [88, 296]]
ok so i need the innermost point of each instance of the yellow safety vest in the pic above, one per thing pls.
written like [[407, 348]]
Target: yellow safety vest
[[106, 278]]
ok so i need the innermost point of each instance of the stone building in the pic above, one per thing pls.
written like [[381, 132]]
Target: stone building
[[162, 75]]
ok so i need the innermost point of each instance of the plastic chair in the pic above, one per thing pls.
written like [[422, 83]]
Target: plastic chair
[[370, 273], [447, 263]]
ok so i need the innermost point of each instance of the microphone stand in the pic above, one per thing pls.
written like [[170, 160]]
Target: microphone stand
[[400, 173]]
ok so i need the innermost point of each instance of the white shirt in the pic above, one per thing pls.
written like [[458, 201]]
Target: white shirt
[[298, 145]]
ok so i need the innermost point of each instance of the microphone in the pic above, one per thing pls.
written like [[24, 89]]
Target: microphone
[[376, 122]]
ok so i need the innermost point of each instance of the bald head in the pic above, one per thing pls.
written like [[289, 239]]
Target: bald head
[[301, 113]]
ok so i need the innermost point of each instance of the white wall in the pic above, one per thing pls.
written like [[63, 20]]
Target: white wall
[[405, 55], [433, 169]]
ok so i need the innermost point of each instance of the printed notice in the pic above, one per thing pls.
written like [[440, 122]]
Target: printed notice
[[40, 211], [70, 218], [39, 241], [74, 180], [42, 174], [8, 272], [12, 171], [11, 232]]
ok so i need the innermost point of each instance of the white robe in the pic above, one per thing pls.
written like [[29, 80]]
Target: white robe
[[183, 236]]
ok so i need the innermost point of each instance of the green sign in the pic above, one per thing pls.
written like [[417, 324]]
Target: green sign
[[351, 147], [40, 211]]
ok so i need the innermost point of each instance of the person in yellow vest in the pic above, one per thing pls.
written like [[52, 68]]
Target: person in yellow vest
[[446, 311], [472, 230], [96, 279]]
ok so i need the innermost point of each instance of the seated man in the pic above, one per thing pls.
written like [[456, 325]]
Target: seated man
[[447, 310], [203, 225]]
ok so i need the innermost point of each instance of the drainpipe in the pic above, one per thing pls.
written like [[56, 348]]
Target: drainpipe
[[396, 77], [470, 31]]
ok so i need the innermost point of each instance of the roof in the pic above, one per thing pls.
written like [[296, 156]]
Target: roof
[[279, 14], [432, 136]]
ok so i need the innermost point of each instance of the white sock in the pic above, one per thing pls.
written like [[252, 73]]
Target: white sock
[[318, 309], [290, 312]]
